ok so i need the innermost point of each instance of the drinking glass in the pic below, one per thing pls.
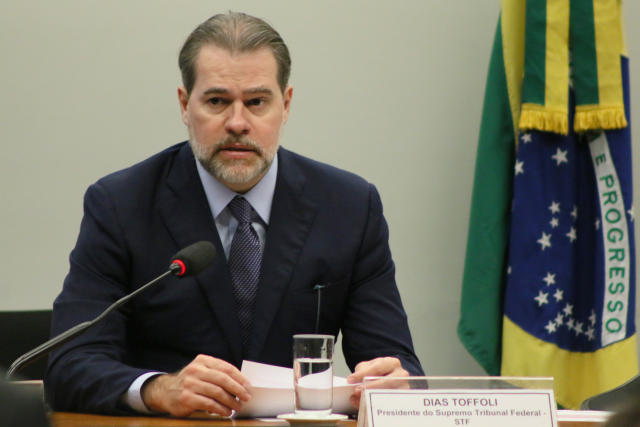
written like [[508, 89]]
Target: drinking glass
[[313, 374]]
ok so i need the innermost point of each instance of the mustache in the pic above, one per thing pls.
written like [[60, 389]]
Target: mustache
[[236, 139]]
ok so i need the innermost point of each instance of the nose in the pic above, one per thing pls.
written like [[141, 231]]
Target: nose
[[237, 123]]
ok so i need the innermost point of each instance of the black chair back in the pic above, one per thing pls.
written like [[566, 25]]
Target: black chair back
[[616, 399], [21, 331]]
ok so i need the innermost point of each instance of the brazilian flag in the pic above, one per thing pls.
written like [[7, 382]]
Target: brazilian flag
[[549, 280]]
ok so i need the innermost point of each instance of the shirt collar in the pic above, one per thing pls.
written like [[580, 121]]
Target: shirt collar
[[260, 196]]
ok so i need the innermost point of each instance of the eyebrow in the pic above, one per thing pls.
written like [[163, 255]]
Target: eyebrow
[[252, 91]]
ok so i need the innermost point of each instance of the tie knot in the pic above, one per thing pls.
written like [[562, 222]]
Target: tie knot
[[240, 209]]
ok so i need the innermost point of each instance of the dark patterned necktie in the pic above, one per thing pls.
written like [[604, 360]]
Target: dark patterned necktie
[[245, 258]]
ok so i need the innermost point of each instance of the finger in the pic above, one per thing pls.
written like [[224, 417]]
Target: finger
[[227, 383], [203, 403], [357, 391], [384, 366], [219, 364], [224, 366], [355, 401], [380, 367], [220, 373], [388, 382], [213, 392], [359, 372], [185, 402]]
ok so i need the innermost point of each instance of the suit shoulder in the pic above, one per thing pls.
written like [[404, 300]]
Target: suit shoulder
[[324, 174], [145, 172]]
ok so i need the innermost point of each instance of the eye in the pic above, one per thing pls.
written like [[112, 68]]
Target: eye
[[255, 102], [217, 103]]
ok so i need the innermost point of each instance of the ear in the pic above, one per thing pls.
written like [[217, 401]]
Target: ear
[[288, 93], [183, 99]]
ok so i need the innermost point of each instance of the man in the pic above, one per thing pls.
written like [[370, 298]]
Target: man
[[302, 224]]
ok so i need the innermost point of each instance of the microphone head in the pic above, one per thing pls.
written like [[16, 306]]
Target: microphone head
[[193, 259]]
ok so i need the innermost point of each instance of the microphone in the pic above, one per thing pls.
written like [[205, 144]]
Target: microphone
[[189, 261]]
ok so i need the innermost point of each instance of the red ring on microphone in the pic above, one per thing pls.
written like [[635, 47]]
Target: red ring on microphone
[[183, 268]]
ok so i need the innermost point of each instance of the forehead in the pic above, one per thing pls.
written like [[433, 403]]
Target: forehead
[[216, 66]]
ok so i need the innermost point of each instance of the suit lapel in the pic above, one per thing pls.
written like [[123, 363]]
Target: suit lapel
[[187, 215], [292, 215]]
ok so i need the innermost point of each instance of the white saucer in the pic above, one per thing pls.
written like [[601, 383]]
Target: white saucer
[[298, 419]]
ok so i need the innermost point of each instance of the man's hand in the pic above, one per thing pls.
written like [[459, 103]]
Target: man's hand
[[379, 367], [205, 384]]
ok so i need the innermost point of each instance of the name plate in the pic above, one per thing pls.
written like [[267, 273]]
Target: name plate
[[475, 408]]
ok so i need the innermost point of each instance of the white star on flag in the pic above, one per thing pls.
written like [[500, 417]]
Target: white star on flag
[[631, 215], [551, 327], [550, 279], [590, 333], [578, 328], [558, 295], [568, 309], [572, 234], [574, 212], [542, 298], [519, 168], [597, 224], [560, 156], [570, 323], [592, 318], [555, 207], [545, 240], [554, 222], [526, 138], [558, 319]]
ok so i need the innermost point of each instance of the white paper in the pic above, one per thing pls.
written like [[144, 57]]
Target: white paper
[[272, 391]]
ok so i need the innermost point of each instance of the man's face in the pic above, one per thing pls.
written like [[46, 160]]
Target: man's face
[[234, 114]]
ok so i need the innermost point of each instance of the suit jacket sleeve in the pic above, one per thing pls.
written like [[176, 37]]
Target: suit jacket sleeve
[[375, 323], [90, 372]]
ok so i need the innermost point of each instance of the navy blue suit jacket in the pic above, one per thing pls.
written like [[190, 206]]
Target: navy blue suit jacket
[[326, 227]]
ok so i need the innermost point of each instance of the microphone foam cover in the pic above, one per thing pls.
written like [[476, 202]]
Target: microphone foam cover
[[195, 257]]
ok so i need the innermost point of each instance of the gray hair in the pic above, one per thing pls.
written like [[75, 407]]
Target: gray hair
[[236, 32]]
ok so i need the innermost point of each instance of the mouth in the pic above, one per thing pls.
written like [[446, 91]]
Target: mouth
[[237, 151], [236, 148]]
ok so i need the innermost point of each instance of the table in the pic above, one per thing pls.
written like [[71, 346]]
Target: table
[[66, 419]]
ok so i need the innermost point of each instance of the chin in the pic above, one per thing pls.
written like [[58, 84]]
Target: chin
[[238, 174]]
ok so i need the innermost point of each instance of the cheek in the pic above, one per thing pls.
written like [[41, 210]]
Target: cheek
[[271, 130], [204, 126]]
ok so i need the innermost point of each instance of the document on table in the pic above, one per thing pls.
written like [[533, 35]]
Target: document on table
[[272, 391]]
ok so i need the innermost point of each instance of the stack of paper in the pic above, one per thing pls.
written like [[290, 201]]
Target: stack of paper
[[272, 391]]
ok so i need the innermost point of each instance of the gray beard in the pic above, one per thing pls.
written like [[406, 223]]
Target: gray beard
[[235, 171]]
